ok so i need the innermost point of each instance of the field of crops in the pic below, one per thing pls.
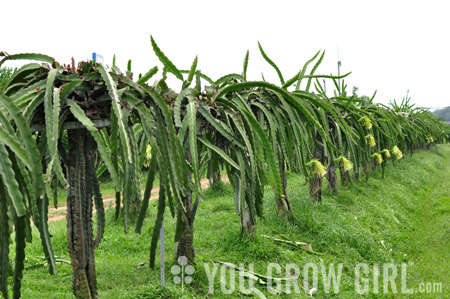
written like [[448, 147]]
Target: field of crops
[[65, 126]]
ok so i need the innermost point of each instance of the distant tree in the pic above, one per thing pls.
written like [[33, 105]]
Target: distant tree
[[355, 94], [443, 113], [5, 74]]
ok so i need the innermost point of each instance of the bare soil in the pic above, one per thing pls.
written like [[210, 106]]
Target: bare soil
[[110, 202]]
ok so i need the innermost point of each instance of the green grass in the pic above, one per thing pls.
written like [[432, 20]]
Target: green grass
[[408, 211]]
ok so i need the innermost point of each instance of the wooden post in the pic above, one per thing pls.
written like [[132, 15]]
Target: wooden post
[[163, 275]]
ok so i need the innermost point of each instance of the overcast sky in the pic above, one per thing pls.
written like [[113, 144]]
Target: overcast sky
[[389, 46]]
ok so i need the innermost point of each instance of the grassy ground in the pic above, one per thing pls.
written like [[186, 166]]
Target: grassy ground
[[403, 218]]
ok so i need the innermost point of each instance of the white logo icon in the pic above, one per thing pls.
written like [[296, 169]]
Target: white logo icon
[[183, 274]]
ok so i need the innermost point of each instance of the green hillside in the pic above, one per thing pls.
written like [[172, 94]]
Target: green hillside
[[443, 113]]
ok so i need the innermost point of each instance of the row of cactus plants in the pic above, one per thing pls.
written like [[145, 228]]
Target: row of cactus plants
[[64, 125]]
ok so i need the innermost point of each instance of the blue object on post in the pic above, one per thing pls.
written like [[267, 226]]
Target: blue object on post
[[97, 58]]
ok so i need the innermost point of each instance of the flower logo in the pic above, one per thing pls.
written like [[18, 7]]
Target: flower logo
[[182, 272]]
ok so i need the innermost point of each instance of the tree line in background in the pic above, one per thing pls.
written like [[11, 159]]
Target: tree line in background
[[66, 125], [443, 113], [5, 74]]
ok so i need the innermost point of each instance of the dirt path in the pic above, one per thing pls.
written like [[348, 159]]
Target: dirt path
[[109, 202]]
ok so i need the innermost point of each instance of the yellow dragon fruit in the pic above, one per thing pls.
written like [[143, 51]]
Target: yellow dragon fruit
[[386, 153], [345, 163], [397, 153], [317, 167], [372, 142], [366, 122], [378, 157], [148, 155]]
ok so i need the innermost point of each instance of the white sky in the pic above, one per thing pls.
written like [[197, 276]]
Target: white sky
[[390, 46]]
